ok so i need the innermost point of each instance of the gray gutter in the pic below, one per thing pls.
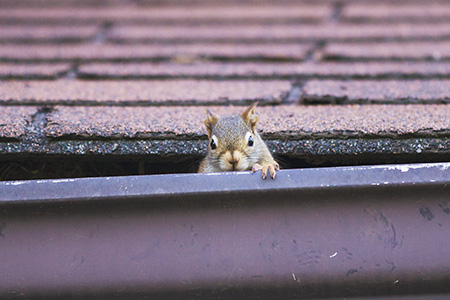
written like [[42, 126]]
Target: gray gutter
[[327, 232]]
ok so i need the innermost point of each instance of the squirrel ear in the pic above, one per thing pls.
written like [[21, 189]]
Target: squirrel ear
[[250, 117], [211, 120]]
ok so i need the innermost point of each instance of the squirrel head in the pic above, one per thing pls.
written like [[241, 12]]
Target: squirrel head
[[234, 144]]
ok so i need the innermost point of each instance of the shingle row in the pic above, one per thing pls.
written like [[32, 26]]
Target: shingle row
[[284, 51], [227, 33], [186, 92], [275, 122], [143, 3], [367, 91], [396, 12], [172, 14], [40, 71], [402, 31], [237, 92], [180, 52], [266, 70], [189, 53], [387, 51], [378, 12], [23, 33]]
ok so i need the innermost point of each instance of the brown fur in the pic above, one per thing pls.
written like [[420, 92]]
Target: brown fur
[[231, 136]]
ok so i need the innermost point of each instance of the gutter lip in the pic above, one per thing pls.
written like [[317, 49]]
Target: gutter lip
[[154, 187]]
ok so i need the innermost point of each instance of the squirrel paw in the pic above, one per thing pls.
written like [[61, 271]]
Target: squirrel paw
[[272, 167]]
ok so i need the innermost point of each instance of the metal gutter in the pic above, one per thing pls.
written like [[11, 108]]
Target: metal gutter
[[326, 232]]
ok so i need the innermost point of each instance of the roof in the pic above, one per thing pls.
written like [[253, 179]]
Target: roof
[[344, 79]]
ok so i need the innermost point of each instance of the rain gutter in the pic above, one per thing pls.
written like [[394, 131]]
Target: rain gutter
[[324, 232]]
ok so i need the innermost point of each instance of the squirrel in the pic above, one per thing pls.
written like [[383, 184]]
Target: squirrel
[[235, 145]]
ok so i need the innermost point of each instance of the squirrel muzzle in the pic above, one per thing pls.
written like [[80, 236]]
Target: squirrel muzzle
[[233, 161]]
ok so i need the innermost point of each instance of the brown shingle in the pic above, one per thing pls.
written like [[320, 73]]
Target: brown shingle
[[279, 121], [188, 3], [142, 92], [10, 70], [396, 12], [47, 33], [355, 120], [280, 32], [14, 119], [61, 3], [175, 14], [267, 70], [402, 50], [368, 91], [142, 52], [251, 41]]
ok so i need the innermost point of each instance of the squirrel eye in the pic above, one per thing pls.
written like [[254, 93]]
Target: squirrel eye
[[250, 141], [213, 144]]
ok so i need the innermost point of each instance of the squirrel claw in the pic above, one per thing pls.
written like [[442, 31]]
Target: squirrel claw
[[272, 167]]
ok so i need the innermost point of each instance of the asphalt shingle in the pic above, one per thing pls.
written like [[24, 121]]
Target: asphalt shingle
[[267, 70], [402, 31], [22, 33], [388, 51], [283, 122], [173, 14], [33, 71], [14, 121], [62, 3], [131, 78], [113, 52], [142, 93], [369, 91], [396, 12]]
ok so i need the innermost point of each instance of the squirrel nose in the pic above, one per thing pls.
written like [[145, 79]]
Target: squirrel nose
[[233, 159]]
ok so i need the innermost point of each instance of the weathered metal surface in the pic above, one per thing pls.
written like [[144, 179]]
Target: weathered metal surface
[[350, 231]]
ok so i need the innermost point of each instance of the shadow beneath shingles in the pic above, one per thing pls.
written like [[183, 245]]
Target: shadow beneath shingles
[[40, 167], [76, 167]]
